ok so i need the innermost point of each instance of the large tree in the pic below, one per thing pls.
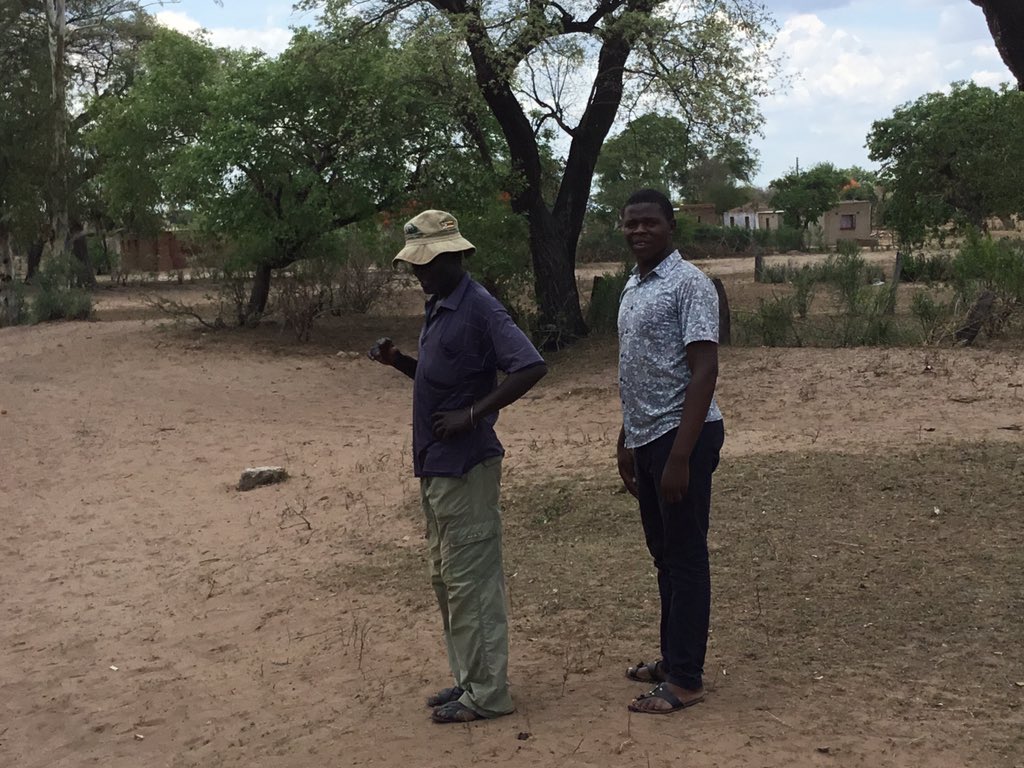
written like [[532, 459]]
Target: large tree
[[58, 60], [277, 153], [1006, 22], [574, 65], [955, 157]]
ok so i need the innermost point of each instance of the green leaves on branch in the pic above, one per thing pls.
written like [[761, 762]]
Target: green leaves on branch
[[951, 158]]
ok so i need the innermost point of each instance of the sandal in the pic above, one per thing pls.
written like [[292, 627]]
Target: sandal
[[445, 696], [454, 712], [647, 673], [665, 694]]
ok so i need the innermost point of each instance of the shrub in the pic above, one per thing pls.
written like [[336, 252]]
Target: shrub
[[848, 248], [803, 290], [788, 239], [934, 316], [771, 324], [58, 296], [994, 265], [997, 266], [305, 295], [14, 309], [923, 268]]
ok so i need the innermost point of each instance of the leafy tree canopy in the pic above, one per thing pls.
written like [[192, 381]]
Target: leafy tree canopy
[[543, 66], [951, 157], [804, 196]]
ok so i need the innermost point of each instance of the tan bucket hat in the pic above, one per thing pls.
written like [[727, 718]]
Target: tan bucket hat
[[429, 234]]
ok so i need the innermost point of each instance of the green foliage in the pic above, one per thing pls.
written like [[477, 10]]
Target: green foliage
[[603, 312], [953, 157], [927, 268], [14, 306], [279, 153], [805, 195], [984, 263], [653, 151], [601, 239], [772, 324], [58, 296], [934, 316], [863, 314], [788, 238]]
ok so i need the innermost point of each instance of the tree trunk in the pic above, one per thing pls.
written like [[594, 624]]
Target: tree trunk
[[57, 32], [259, 295], [758, 264], [976, 318], [554, 230], [35, 256], [724, 316], [1006, 23], [897, 273], [85, 273], [554, 259], [8, 304]]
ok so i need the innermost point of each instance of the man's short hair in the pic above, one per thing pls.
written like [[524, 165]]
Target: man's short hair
[[652, 196]]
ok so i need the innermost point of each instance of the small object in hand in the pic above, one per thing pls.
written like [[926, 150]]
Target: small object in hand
[[374, 352]]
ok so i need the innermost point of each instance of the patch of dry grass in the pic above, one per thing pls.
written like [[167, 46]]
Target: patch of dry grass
[[893, 581]]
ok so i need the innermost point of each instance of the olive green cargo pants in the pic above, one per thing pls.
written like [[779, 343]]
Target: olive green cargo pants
[[464, 535]]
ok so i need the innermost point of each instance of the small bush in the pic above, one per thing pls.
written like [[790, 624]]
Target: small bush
[[994, 265], [776, 274], [923, 268], [304, 296], [771, 325], [934, 316], [848, 248], [14, 308], [361, 283], [788, 239], [803, 291], [997, 266], [58, 296]]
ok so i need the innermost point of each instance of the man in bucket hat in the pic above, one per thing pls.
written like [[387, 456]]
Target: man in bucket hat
[[467, 337]]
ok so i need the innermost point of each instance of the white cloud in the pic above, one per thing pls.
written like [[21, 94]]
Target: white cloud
[[845, 78], [271, 39], [989, 78], [180, 22]]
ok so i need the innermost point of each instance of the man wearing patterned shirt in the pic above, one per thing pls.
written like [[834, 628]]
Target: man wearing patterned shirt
[[672, 434], [467, 338]]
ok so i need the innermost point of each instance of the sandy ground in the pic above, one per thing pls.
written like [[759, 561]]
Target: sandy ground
[[867, 560]]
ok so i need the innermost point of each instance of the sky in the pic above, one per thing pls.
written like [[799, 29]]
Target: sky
[[848, 62]]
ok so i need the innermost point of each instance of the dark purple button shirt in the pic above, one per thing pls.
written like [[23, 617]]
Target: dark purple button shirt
[[467, 338]]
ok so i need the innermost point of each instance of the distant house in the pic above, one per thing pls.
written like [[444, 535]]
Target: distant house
[[702, 213], [163, 253], [850, 220], [769, 220], [744, 217]]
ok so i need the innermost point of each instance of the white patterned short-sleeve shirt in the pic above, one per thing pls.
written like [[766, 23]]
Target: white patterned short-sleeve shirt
[[674, 305]]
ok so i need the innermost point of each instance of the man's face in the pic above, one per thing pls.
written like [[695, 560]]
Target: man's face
[[648, 233], [429, 275]]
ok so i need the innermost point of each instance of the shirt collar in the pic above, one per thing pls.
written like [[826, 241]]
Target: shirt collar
[[452, 300], [665, 266]]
